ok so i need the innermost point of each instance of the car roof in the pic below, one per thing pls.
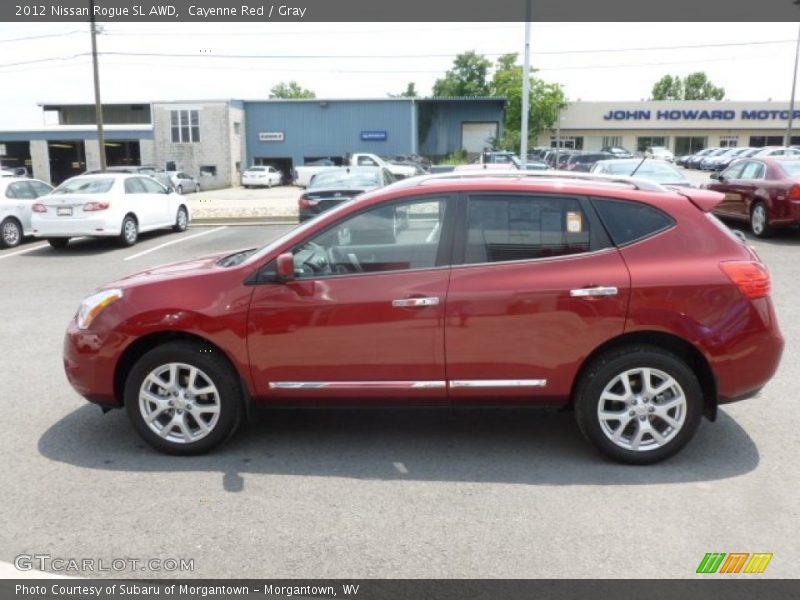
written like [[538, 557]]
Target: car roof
[[14, 179]]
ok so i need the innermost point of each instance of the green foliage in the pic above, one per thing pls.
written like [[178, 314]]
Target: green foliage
[[411, 91], [457, 157], [695, 86], [290, 89], [466, 78]]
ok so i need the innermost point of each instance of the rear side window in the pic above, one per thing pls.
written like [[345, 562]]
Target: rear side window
[[628, 222], [505, 228]]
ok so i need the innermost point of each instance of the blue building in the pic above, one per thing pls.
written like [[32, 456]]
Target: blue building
[[288, 133]]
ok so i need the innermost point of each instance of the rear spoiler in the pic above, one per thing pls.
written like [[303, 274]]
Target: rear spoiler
[[705, 200]]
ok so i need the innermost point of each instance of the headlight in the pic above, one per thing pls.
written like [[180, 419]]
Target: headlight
[[94, 305]]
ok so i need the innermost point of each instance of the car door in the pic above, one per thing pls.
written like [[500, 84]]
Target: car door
[[751, 179], [540, 286], [19, 200], [728, 183], [158, 202], [364, 316]]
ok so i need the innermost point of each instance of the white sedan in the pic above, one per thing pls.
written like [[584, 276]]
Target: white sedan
[[120, 205], [17, 196], [261, 175]]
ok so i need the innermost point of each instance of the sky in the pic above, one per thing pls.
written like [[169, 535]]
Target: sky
[[593, 61]]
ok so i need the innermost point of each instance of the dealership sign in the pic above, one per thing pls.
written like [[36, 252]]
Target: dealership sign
[[270, 136], [374, 136], [699, 115]]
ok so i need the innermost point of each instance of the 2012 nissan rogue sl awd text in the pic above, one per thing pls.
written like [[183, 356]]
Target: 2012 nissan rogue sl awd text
[[628, 301]]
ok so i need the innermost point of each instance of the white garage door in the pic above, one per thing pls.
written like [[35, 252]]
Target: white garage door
[[475, 137]]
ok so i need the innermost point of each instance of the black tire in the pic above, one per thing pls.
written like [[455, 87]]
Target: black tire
[[760, 229], [604, 370], [58, 243], [181, 219], [10, 233], [216, 370], [179, 189], [129, 232]]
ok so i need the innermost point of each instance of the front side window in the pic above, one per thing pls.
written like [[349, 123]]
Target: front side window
[[505, 228], [734, 171], [41, 189], [391, 237], [753, 170]]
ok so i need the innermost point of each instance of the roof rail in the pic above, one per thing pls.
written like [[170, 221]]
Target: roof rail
[[638, 184]]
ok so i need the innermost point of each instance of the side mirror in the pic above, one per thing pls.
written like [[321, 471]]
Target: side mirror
[[284, 266], [717, 176]]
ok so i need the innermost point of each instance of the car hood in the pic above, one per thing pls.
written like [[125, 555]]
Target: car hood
[[183, 269]]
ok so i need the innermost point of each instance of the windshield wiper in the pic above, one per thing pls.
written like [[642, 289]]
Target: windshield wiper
[[236, 258]]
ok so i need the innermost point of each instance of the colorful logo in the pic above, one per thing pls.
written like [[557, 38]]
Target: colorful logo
[[735, 562]]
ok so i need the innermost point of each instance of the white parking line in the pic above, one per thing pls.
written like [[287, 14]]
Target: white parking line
[[31, 249], [183, 239]]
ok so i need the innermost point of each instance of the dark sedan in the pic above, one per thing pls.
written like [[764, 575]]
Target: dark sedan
[[329, 188], [763, 191]]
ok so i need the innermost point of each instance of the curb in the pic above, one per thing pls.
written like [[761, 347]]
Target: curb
[[205, 222]]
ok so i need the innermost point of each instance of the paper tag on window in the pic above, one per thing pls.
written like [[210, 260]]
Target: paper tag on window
[[574, 222]]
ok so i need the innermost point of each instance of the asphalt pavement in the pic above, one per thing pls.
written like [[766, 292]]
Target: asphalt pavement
[[375, 492]]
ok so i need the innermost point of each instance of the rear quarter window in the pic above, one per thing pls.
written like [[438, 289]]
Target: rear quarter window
[[628, 221]]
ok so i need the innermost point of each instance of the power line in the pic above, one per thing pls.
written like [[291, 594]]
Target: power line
[[39, 37]]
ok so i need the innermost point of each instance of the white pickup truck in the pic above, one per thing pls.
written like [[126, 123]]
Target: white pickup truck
[[303, 175]]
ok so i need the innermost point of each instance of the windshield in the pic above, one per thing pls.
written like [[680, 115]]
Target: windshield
[[654, 171], [85, 185], [349, 180], [792, 169]]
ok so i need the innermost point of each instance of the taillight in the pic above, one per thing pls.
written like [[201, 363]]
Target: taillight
[[304, 202], [91, 206], [751, 277], [794, 192], [39, 207]]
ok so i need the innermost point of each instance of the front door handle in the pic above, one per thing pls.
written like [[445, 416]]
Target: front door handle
[[594, 291], [415, 302]]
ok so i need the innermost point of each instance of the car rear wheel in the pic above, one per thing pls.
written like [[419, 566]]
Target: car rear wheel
[[10, 233], [179, 189], [759, 221], [130, 231], [183, 398], [638, 404], [58, 243], [196, 188], [181, 220]]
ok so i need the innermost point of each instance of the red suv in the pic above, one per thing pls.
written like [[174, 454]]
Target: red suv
[[620, 298]]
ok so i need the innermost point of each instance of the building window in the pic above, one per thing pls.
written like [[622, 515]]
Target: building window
[[643, 143], [612, 141], [689, 145], [759, 141], [237, 127], [575, 143], [728, 141], [208, 171], [185, 126]]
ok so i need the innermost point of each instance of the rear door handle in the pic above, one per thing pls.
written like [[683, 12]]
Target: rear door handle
[[415, 302], [594, 291]]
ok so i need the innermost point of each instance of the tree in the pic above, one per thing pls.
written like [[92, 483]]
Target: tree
[[466, 78], [411, 92], [290, 89], [546, 99], [695, 86]]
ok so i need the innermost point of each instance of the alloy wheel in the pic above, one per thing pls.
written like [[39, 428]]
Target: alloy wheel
[[11, 233]]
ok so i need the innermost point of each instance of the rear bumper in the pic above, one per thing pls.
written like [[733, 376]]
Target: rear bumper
[[51, 228]]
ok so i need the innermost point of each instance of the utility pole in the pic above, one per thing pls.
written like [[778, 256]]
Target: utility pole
[[98, 107], [794, 85], [558, 136], [526, 85]]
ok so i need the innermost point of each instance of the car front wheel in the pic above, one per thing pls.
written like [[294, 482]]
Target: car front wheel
[[181, 220], [183, 398], [639, 404]]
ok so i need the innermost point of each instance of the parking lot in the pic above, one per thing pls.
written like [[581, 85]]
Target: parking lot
[[372, 493]]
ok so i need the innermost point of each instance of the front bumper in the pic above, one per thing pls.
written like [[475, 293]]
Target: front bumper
[[90, 362]]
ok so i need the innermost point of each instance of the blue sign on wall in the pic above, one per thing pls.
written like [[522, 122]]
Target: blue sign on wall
[[373, 136]]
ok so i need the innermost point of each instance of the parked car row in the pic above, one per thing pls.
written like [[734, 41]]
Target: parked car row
[[716, 159]]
